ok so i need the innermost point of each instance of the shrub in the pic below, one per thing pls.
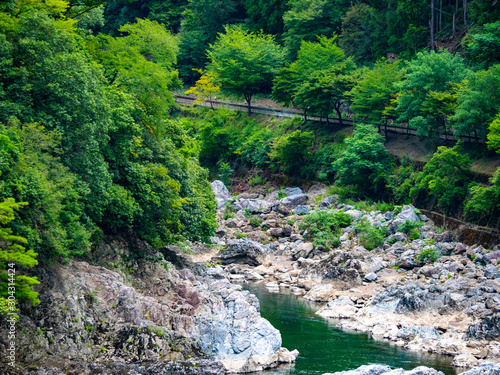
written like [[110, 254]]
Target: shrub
[[255, 180], [240, 235], [430, 253], [414, 234], [326, 241], [369, 236], [324, 227], [255, 221], [408, 226], [291, 152]]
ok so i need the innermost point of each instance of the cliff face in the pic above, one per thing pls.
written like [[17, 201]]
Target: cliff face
[[95, 320]]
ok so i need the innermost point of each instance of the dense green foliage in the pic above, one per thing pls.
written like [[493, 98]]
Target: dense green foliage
[[87, 142], [325, 227], [90, 144]]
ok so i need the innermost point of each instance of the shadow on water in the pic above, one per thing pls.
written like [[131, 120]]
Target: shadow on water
[[324, 348]]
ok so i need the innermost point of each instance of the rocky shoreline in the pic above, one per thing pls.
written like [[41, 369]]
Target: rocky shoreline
[[141, 315], [448, 303], [183, 311]]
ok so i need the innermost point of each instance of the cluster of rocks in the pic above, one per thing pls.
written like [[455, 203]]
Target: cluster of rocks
[[145, 318], [446, 302], [485, 369]]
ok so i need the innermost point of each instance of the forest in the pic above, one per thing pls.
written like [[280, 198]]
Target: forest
[[93, 144]]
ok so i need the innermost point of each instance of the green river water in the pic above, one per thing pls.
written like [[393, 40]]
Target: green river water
[[324, 348]]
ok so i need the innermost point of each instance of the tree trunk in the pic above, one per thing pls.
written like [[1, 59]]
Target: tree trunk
[[305, 114], [249, 103], [339, 114], [385, 126], [431, 24], [465, 13], [379, 129], [440, 15], [327, 120]]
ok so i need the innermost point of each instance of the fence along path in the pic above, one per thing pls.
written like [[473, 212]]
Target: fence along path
[[187, 100]]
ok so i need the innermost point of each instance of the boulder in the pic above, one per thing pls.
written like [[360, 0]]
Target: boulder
[[484, 369], [320, 293], [301, 210], [365, 370], [293, 191], [371, 277], [243, 251], [256, 205], [486, 329], [424, 333], [328, 201], [293, 201], [356, 214], [341, 308], [491, 272], [221, 192], [302, 250]]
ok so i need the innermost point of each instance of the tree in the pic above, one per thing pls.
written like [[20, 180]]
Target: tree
[[484, 47], [356, 37], [143, 63], [494, 134], [425, 93], [266, 15], [291, 151], [373, 93], [205, 87], [308, 19], [244, 62], [444, 180], [365, 161], [202, 21], [477, 102], [483, 203], [14, 255], [318, 80]]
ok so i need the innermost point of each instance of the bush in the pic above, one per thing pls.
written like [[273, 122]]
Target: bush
[[365, 162], [431, 254], [326, 241], [324, 227], [255, 221], [409, 226], [291, 152], [369, 236]]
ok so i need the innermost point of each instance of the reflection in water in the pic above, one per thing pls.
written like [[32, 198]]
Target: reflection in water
[[324, 348]]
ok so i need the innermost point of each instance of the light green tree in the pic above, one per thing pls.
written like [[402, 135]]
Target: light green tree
[[372, 94], [245, 63], [478, 101], [425, 93], [13, 258], [318, 80]]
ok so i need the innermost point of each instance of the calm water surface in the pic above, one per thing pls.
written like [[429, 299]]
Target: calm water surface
[[324, 348]]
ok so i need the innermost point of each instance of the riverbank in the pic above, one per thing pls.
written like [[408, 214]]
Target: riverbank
[[422, 290]]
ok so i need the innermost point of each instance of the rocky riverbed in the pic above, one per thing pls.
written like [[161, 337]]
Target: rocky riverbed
[[130, 309], [445, 303]]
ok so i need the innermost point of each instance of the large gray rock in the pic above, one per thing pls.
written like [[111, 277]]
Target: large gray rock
[[293, 191], [340, 308], [386, 370], [486, 329], [407, 213], [365, 370], [243, 251], [256, 205], [155, 314], [484, 369], [221, 192], [328, 201], [422, 332], [293, 201], [402, 299]]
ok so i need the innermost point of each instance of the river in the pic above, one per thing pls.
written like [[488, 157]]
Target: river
[[324, 348]]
